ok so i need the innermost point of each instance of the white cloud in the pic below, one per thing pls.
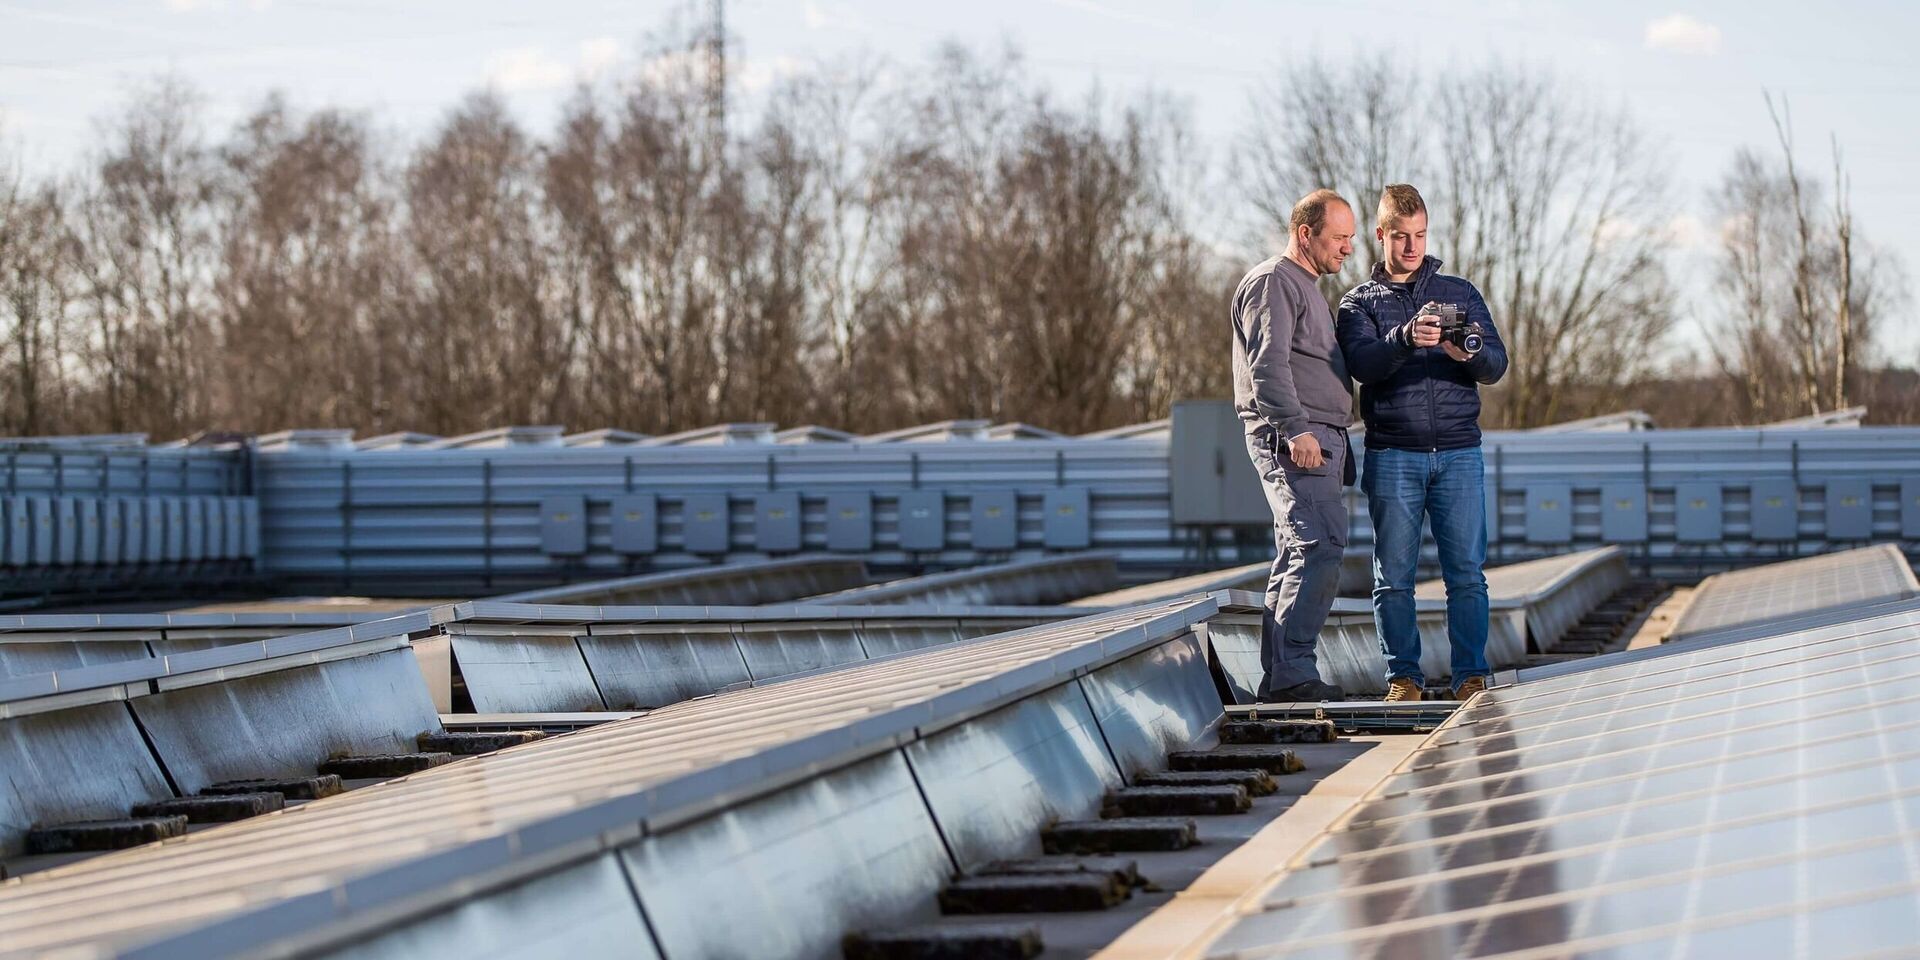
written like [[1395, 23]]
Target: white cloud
[[1681, 33], [195, 6], [1685, 231], [527, 68], [675, 67], [757, 75], [598, 54], [532, 68], [1682, 231], [831, 16]]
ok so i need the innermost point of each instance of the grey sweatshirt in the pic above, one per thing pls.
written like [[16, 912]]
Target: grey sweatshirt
[[1287, 367]]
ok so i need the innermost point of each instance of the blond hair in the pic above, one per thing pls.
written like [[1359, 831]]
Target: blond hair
[[1397, 201]]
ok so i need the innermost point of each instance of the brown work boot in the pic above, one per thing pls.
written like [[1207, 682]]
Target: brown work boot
[[1469, 687], [1402, 690]]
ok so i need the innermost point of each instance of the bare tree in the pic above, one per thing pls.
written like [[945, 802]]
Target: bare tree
[[35, 289], [1034, 245], [1555, 208], [834, 119], [146, 254], [639, 201], [1805, 292], [475, 314], [1558, 210], [867, 246], [308, 275], [1353, 130]]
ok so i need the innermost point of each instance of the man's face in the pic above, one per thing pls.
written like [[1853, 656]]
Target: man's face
[[1405, 242], [1328, 249]]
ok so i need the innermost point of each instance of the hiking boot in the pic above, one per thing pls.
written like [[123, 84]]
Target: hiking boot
[[1469, 687], [1403, 690], [1306, 691]]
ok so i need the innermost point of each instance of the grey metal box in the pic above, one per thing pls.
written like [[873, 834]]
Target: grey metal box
[[249, 528], [706, 523], [1623, 513], [1850, 509], [232, 546], [995, 520], [40, 509], [1549, 513], [153, 530], [86, 547], [174, 536], [563, 525], [634, 523], [776, 522], [1910, 508], [194, 532], [1211, 475], [1696, 512], [1774, 509], [923, 521], [66, 531], [19, 550], [1066, 523], [113, 527], [213, 529], [850, 522], [209, 514]]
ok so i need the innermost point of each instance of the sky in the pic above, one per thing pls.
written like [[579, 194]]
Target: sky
[[1692, 72]]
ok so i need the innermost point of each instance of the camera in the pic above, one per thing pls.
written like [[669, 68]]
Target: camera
[[1455, 329]]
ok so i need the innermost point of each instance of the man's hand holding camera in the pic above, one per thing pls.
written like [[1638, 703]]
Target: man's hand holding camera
[[1427, 331]]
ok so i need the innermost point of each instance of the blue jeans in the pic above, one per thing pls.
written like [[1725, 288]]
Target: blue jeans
[[1402, 488]]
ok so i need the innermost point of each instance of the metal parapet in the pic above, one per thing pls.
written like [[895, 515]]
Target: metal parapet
[[84, 741], [518, 658], [40, 643], [1540, 598], [1045, 580], [762, 581], [839, 810], [1252, 576]]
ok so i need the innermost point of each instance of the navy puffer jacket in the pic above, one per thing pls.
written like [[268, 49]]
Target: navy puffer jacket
[[1416, 398]]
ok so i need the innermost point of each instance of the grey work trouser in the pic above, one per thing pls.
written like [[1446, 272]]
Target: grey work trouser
[[1310, 536]]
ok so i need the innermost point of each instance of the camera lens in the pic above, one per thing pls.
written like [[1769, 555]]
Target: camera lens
[[1471, 343]]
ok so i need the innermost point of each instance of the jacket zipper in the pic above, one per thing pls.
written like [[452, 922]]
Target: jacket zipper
[[1433, 413], [1426, 368]]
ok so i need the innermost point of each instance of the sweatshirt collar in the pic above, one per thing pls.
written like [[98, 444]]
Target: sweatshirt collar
[[1427, 267]]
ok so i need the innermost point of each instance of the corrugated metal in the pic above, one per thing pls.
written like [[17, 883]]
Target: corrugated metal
[[462, 515], [74, 515], [470, 517]]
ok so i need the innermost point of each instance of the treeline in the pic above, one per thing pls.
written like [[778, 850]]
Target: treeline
[[868, 248]]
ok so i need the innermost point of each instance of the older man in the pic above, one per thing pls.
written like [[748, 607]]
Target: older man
[[1291, 389]]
